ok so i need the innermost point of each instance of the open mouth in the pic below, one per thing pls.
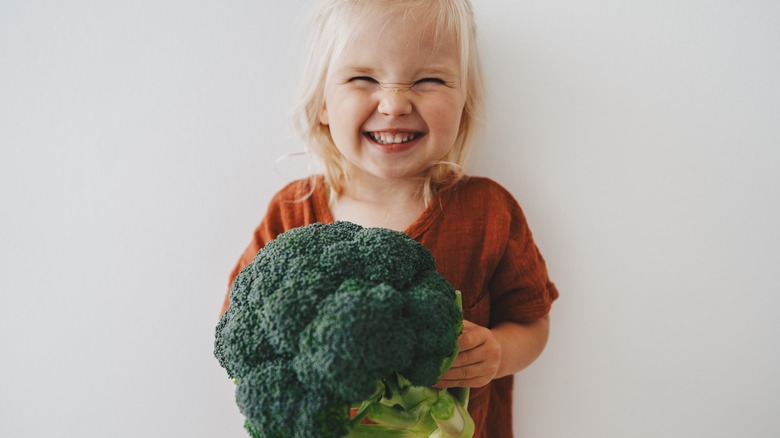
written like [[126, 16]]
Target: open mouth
[[391, 138]]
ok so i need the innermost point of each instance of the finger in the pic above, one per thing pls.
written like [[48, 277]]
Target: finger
[[472, 336], [471, 383], [475, 382], [465, 372], [467, 357], [471, 375]]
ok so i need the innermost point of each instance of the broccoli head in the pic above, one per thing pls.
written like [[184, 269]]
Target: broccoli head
[[329, 317]]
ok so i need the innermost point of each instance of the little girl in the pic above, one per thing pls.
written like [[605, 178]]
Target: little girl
[[392, 92]]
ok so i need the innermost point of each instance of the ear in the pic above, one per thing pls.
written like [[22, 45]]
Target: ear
[[323, 114]]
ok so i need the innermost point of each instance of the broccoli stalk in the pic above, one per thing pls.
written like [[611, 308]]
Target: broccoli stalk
[[330, 316], [451, 416], [401, 409], [414, 411]]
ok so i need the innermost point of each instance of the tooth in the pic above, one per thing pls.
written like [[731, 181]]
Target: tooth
[[391, 138]]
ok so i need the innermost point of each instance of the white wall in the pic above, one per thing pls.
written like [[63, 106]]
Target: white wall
[[137, 148]]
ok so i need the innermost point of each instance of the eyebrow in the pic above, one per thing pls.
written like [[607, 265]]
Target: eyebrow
[[357, 69], [425, 71]]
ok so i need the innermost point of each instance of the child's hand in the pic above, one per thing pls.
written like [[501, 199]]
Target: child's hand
[[478, 360]]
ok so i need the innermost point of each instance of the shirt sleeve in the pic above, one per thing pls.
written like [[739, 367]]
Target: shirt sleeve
[[521, 289], [280, 216]]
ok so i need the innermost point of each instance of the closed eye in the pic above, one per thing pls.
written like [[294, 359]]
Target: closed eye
[[363, 79], [430, 84], [431, 81]]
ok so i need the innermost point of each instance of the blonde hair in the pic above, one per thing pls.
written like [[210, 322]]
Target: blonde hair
[[331, 31]]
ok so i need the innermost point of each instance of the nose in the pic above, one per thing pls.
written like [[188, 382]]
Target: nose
[[394, 101]]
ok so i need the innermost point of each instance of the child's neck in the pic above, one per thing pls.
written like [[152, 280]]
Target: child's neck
[[388, 204]]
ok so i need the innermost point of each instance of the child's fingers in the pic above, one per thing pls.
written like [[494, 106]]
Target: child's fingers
[[471, 383], [475, 372], [477, 344], [466, 357], [471, 337], [467, 377], [478, 359]]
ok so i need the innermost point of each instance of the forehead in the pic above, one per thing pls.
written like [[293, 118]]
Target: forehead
[[410, 36]]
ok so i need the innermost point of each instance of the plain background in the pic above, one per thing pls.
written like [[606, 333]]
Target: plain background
[[138, 149]]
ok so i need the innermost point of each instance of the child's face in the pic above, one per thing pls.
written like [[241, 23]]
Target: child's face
[[394, 100]]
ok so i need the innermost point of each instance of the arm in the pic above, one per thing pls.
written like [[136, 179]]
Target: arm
[[486, 354]]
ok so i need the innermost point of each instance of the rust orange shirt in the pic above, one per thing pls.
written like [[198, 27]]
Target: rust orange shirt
[[482, 245]]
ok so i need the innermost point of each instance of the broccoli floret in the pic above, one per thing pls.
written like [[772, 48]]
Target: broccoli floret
[[331, 317]]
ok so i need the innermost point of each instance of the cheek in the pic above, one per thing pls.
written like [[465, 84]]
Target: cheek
[[346, 115], [358, 108], [445, 115], [349, 109]]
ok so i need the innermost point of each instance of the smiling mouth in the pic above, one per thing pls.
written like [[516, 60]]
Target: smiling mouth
[[390, 138]]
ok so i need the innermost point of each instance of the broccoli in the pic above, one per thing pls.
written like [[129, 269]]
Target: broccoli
[[334, 323]]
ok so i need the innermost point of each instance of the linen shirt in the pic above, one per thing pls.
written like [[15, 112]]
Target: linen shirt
[[482, 245]]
